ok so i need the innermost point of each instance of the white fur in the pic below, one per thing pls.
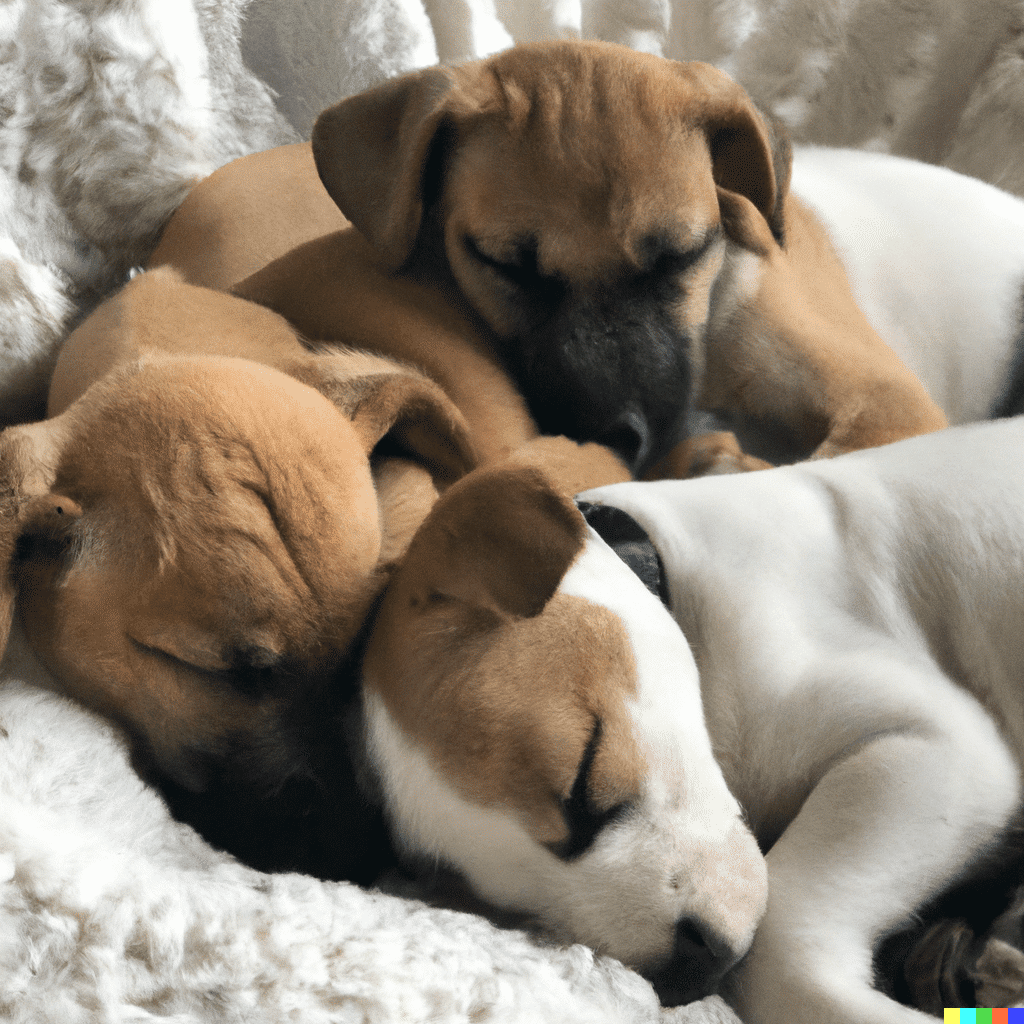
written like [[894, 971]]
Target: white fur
[[111, 112], [936, 262], [858, 638]]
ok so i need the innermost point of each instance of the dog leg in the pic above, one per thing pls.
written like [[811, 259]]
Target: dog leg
[[804, 356], [883, 829], [705, 455]]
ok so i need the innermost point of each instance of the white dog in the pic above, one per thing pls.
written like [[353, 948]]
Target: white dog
[[853, 629]]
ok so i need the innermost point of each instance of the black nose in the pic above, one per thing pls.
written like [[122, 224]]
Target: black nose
[[700, 958], [629, 436]]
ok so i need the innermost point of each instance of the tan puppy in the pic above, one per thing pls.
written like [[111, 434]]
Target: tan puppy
[[194, 541], [247, 214], [621, 225], [614, 230], [196, 537]]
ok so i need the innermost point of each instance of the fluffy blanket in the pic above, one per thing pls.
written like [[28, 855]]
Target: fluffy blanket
[[109, 111]]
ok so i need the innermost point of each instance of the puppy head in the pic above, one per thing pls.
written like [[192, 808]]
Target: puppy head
[[193, 547], [534, 715], [584, 197]]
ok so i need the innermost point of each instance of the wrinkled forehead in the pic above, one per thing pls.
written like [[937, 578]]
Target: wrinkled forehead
[[559, 162], [242, 480]]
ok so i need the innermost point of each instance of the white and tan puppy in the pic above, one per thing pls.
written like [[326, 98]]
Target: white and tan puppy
[[848, 672]]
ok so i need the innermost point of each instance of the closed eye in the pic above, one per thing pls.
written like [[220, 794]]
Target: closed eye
[[582, 817], [665, 266], [519, 268], [251, 671]]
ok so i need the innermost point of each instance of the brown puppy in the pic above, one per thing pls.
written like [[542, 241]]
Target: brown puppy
[[194, 541], [247, 214], [621, 229], [264, 227]]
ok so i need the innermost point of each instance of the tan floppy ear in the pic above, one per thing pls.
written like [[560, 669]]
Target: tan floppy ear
[[751, 159], [394, 409], [406, 415], [28, 466], [500, 540], [371, 153]]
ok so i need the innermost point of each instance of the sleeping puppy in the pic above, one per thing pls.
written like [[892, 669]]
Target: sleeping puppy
[[194, 539], [623, 230], [196, 536], [825, 665]]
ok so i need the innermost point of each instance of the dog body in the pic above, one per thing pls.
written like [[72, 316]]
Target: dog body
[[618, 233], [852, 629], [264, 227], [945, 290], [624, 230]]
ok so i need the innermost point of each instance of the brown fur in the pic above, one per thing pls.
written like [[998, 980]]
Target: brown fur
[[796, 350], [256, 546], [276, 182], [470, 635], [248, 217], [195, 538], [598, 159], [212, 509]]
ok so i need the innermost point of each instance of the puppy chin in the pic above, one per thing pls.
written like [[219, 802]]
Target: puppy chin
[[293, 797]]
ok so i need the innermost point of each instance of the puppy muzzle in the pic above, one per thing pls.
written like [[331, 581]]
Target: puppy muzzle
[[613, 368]]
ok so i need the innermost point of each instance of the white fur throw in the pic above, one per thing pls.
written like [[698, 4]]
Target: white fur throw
[[109, 111]]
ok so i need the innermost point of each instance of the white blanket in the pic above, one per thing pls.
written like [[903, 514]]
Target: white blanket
[[109, 111]]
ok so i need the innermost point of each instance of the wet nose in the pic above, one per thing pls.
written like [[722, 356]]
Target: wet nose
[[700, 958], [629, 436]]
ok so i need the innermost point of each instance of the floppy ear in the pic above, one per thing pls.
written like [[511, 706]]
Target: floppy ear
[[371, 153], [395, 410], [500, 540], [750, 155], [28, 465]]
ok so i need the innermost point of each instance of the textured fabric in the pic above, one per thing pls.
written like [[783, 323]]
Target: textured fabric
[[109, 111]]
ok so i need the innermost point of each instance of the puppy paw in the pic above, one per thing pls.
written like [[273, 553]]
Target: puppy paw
[[705, 455], [999, 975]]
